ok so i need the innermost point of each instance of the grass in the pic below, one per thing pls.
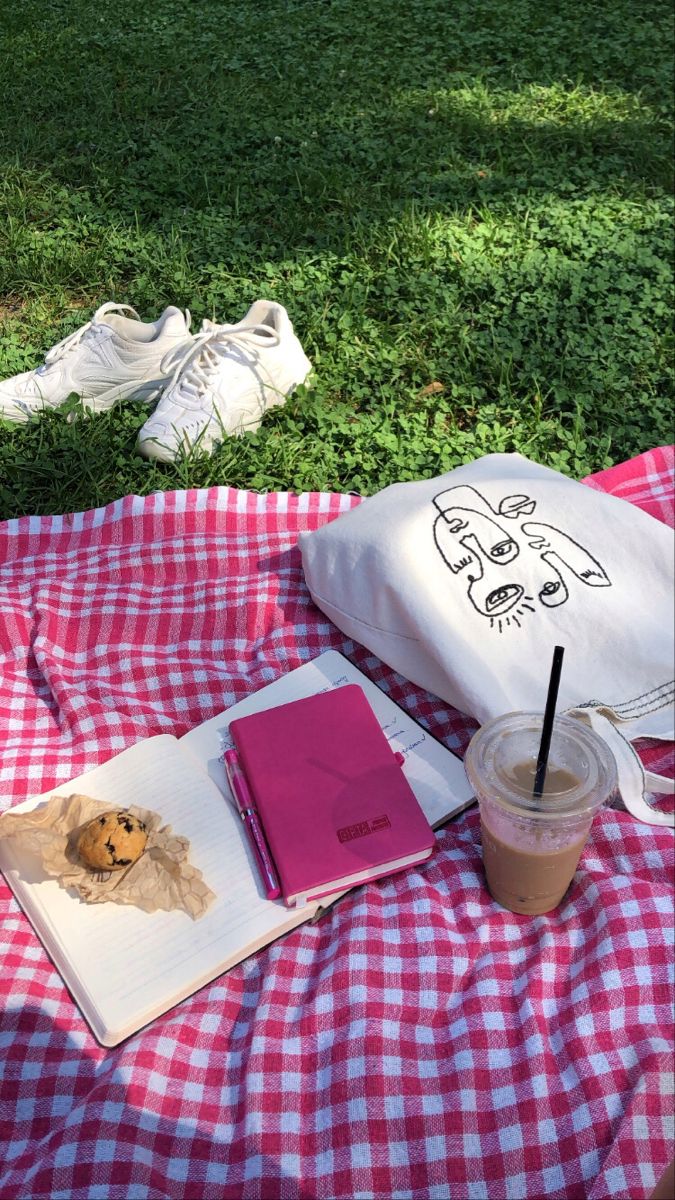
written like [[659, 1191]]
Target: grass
[[466, 209]]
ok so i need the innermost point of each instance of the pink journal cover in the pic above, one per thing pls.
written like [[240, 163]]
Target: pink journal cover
[[331, 796]]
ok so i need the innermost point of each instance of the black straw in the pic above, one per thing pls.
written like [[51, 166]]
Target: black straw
[[547, 727]]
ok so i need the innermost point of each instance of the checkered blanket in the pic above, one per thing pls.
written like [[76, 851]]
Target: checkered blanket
[[418, 1041]]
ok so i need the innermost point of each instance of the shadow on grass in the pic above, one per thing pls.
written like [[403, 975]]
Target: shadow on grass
[[470, 197], [241, 135]]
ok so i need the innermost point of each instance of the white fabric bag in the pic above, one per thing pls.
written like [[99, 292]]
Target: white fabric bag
[[464, 584]]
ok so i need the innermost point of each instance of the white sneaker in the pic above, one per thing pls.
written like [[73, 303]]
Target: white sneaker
[[110, 358], [224, 380]]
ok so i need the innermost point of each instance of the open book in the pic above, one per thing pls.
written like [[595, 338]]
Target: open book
[[125, 967]]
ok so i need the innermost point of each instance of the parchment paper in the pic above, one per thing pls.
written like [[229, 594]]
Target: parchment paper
[[162, 878]]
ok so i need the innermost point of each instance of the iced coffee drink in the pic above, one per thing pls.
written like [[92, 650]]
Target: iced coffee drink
[[532, 844]]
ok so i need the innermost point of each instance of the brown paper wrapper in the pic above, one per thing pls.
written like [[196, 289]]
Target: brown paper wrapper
[[162, 878]]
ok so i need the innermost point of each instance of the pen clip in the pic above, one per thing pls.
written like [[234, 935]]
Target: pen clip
[[232, 795]]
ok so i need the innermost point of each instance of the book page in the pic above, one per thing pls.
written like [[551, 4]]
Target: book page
[[123, 965], [435, 774]]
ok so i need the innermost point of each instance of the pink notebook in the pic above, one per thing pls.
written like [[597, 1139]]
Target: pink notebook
[[334, 803]]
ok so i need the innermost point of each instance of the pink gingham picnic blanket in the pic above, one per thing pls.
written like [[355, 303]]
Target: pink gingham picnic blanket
[[418, 1041]]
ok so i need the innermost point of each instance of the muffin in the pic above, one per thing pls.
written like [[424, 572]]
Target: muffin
[[112, 841]]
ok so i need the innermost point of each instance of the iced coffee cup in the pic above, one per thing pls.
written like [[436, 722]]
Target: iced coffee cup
[[532, 844]]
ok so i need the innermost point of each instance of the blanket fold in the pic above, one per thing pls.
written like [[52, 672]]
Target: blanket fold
[[416, 1041]]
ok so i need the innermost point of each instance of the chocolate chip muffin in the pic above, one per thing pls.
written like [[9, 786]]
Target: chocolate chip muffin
[[112, 841]]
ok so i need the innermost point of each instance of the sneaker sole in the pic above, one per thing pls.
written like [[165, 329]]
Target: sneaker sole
[[13, 410], [146, 391]]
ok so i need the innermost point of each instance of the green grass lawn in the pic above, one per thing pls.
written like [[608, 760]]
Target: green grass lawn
[[466, 208]]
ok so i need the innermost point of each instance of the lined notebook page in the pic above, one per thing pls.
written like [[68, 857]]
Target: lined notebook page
[[125, 966], [436, 776]]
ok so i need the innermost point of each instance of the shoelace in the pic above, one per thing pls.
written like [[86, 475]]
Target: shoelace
[[73, 339], [195, 362]]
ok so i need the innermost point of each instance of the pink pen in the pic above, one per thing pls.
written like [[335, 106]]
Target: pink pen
[[248, 814]]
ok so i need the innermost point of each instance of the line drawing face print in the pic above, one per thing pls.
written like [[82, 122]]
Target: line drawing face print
[[510, 565]]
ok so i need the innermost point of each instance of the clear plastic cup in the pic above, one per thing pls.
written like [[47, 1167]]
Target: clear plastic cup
[[531, 845]]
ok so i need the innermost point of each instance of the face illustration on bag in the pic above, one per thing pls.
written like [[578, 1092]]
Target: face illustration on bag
[[510, 565]]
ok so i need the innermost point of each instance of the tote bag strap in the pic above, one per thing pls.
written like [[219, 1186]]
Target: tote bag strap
[[634, 781], [659, 783]]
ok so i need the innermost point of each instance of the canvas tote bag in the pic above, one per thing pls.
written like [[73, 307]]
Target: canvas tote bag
[[465, 583]]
